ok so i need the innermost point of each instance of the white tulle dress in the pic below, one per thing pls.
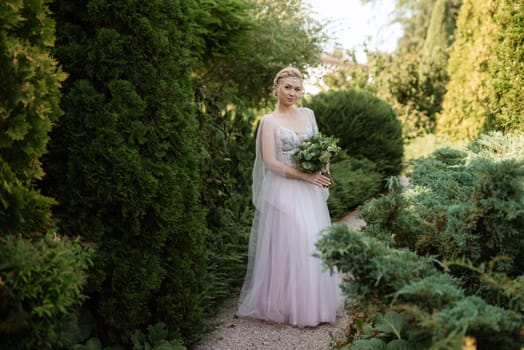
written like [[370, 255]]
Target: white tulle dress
[[285, 283]]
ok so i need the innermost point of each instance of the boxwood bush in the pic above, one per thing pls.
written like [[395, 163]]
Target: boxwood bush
[[366, 126]]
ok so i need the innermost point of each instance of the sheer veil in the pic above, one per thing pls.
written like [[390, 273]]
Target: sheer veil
[[258, 180]]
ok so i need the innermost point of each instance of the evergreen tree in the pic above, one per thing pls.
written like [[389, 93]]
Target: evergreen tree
[[29, 99], [413, 78], [506, 105], [42, 274], [124, 162], [464, 106]]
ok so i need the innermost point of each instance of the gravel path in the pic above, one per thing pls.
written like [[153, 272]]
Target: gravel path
[[245, 334]]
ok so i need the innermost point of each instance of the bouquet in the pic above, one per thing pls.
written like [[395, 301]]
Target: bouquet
[[315, 152]]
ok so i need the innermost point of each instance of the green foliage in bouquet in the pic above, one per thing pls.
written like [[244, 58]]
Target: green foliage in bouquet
[[41, 286], [315, 152]]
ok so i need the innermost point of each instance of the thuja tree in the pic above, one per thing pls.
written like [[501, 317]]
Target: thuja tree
[[124, 162], [226, 131], [42, 274], [29, 100], [484, 92], [506, 103]]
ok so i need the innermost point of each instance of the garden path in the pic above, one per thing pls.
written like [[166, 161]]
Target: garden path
[[242, 334]]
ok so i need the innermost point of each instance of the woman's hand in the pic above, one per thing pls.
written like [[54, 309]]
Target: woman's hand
[[318, 179]]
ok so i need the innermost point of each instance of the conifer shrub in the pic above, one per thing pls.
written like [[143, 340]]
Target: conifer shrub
[[445, 254], [433, 311], [124, 164], [485, 89], [42, 276], [29, 99], [468, 204], [356, 181], [506, 104], [366, 126]]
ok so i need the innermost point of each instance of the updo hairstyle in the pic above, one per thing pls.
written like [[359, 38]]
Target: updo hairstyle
[[288, 72]]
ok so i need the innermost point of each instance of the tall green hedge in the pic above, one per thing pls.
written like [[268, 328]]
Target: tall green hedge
[[29, 100], [464, 108], [42, 273], [366, 126], [124, 163], [506, 103], [485, 67]]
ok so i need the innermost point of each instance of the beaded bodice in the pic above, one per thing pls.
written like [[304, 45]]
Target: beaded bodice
[[287, 142]]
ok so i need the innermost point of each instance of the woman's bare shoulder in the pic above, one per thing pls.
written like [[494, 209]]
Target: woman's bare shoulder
[[268, 118], [306, 111]]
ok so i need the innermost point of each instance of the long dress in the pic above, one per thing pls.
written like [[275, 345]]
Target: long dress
[[285, 283]]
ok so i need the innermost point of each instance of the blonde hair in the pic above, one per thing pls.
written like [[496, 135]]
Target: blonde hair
[[288, 72]]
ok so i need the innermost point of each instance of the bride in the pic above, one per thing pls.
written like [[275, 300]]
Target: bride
[[284, 282]]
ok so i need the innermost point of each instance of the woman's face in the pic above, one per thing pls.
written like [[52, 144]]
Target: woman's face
[[289, 91]]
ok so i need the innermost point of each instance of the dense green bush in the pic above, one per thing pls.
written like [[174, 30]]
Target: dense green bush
[[356, 181], [366, 126], [29, 98], [436, 311], [446, 253], [485, 92], [155, 338], [425, 145], [41, 276], [124, 163], [468, 204], [226, 172], [41, 285], [506, 103]]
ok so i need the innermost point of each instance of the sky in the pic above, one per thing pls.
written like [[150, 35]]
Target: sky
[[352, 24]]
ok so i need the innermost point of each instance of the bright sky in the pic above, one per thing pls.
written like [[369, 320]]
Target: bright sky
[[352, 23]]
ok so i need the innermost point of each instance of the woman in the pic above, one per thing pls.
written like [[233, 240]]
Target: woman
[[285, 283]]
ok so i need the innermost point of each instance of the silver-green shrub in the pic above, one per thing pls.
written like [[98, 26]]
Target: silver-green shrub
[[447, 253]]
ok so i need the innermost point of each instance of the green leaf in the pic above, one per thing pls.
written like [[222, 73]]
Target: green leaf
[[399, 344], [164, 345], [91, 344], [157, 333], [391, 323], [369, 344]]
